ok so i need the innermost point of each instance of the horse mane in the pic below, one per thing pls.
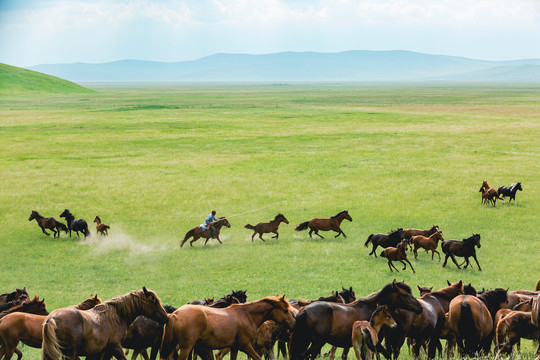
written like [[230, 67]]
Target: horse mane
[[169, 308], [278, 216], [471, 238], [339, 213], [377, 310], [374, 297], [125, 305], [492, 298], [274, 300], [449, 292]]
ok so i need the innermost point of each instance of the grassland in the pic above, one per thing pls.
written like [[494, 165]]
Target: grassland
[[153, 160]]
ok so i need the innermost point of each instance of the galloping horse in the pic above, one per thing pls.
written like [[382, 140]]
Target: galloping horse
[[206, 328], [26, 328], [510, 191], [465, 248], [471, 319], [69, 333], [391, 240], [197, 232], [269, 227], [489, 194], [75, 225], [101, 227], [325, 322], [427, 243], [332, 223], [398, 253], [48, 223]]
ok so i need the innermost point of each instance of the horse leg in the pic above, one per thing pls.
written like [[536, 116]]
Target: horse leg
[[248, 349], [390, 265], [404, 265], [373, 251], [415, 252], [310, 232], [217, 238], [317, 233], [445, 260], [43, 229], [276, 236], [454, 260], [260, 236], [409, 265], [475, 259], [438, 254]]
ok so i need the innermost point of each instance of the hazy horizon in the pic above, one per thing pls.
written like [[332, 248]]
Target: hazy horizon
[[37, 32]]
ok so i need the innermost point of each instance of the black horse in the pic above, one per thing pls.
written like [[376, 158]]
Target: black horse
[[465, 248], [75, 225], [510, 191], [392, 239]]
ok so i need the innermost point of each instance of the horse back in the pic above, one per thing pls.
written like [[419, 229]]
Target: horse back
[[323, 224]]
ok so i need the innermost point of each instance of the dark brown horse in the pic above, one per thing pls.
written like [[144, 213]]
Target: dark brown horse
[[97, 333], [465, 248], [423, 329], [48, 223], [268, 227], [384, 240], [26, 328], [427, 243], [512, 328], [13, 296], [332, 223], [101, 228], [325, 322], [472, 320], [234, 327], [197, 232], [398, 253], [35, 306]]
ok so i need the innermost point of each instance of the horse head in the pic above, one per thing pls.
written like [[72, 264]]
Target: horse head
[[469, 290], [424, 290], [224, 222], [399, 295], [282, 218], [33, 215], [150, 305], [383, 316], [347, 216], [97, 219], [282, 312], [348, 295], [518, 187], [67, 214], [240, 295]]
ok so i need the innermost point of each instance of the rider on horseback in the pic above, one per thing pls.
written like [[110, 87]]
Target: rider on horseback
[[209, 224]]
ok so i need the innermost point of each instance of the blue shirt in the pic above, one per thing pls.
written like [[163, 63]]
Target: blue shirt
[[209, 219]]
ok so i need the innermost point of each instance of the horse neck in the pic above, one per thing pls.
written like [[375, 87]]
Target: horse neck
[[376, 325], [124, 312], [257, 311], [341, 217], [38, 217]]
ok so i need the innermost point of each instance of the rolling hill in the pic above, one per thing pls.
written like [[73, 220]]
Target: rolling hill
[[356, 65], [19, 81]]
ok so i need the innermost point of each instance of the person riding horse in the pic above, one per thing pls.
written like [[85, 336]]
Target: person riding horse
[[208, 224]]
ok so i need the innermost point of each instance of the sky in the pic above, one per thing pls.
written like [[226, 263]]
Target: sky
[[36, 32]]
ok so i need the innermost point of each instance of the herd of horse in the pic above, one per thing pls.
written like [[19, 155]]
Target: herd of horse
[[491, 195], [76, 225], [476, 322]]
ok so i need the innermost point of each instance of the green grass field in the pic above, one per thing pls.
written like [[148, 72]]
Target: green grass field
[[153, 160]]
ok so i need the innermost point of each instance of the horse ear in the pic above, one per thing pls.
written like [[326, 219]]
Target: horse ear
[[394, 283], [283, 298], [449, 283], [145, 291], [419, 288], [460, 283], [350, 288], [342, 288]]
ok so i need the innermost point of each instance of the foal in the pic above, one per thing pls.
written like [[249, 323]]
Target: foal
[[365, 335], [398, 253], [269, 227], [427, 243], [101, 227]]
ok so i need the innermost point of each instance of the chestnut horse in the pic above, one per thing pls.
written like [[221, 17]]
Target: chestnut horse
[[427, 243], [326, 322], [472, 320], [398, 253], [26, 328], [269, 227], [332, 223], [206, 328], [48, 223], [97, 333], [512, 328], [365, 334], [197, 232], [409, 233], [101, 227]]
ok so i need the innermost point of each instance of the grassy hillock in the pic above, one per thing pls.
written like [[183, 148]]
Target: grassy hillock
[[17, 81]]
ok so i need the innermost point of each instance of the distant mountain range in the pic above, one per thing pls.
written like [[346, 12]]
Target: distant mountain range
[[358, 65]]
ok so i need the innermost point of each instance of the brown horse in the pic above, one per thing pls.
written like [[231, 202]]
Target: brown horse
[[35, 306], [489, 194], [398, 253], [326, 322], [234, 327], [513, 327], [472, 320], [26, 328], [427, 243], [332, 223], [409, 233], [269, 227], [197, 232], [13, 296], [424, 290], [48, 223], [365, 334], [101, 227], [97, 333]]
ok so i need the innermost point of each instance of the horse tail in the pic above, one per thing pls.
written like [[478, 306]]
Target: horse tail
[[368, 240], [467, 328], [300, 338], [50, 345], [302, 226], [188, 235], [168, 343], [248, 226], [366, 334]]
